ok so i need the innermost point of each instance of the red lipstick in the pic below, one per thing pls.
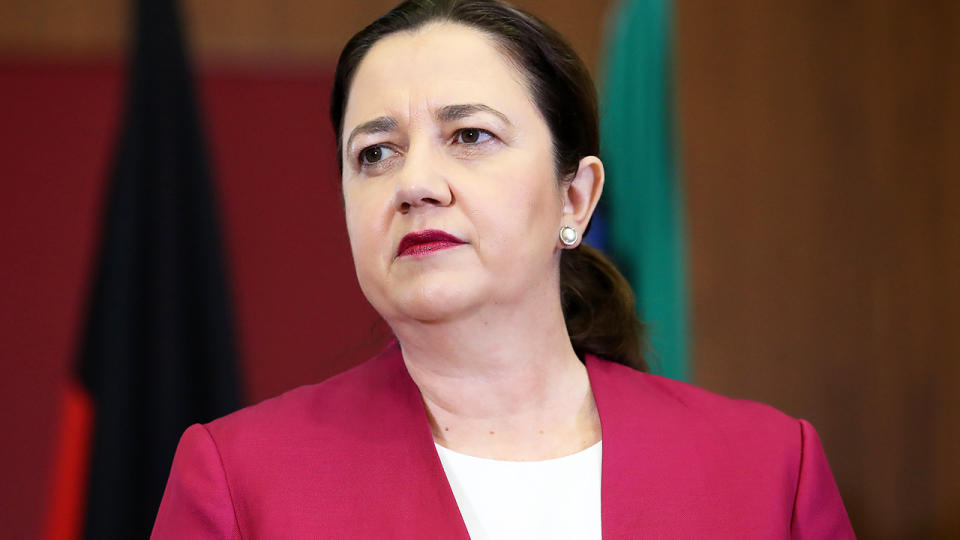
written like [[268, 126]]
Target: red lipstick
[[423, 242]]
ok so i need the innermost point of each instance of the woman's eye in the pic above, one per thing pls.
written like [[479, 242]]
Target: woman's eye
[[374, 154], [473, 136]]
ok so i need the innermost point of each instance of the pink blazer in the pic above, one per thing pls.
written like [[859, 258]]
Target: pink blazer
[[353, 457]]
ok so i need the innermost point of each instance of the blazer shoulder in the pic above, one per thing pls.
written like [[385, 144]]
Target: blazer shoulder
[[770, 466], [336, 400], [741, 434], [718, 407], [680, 400]]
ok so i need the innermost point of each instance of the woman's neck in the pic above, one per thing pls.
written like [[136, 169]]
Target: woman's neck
[[502, 383]]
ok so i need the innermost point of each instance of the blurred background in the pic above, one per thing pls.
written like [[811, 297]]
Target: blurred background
[[784, 194]]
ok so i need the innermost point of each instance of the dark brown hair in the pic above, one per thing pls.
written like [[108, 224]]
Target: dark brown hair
[[598, 304]]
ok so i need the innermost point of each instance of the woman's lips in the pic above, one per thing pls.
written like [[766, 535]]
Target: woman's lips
[[422, 242]]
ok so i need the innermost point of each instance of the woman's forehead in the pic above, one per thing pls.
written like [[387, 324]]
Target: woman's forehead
[[416, 73]]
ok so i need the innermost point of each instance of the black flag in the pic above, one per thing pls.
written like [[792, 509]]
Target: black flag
[[158, 353]]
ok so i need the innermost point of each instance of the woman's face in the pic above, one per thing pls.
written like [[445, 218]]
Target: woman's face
[[441, 134]]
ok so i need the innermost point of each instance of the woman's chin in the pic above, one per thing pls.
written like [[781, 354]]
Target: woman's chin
[[431, 304]]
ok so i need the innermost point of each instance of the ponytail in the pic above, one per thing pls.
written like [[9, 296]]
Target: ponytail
[[598, 306]]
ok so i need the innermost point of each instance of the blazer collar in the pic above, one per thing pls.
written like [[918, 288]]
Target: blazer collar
[[629, 460]]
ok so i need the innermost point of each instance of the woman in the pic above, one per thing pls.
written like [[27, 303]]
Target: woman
[[514, 402]]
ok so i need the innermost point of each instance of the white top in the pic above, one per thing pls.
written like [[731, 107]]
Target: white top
[[556, 498]]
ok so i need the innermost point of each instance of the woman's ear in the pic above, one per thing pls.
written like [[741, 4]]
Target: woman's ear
[[580, 195]]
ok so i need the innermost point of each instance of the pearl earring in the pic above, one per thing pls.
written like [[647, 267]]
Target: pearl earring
[[568, 235]]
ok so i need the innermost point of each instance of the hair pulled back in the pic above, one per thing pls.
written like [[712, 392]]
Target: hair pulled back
[[598, 304]]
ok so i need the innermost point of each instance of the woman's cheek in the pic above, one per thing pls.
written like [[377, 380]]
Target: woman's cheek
[[370, 235]]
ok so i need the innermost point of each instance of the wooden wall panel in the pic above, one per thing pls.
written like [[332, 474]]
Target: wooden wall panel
[[820, 148], [62, 28], [258, 32]]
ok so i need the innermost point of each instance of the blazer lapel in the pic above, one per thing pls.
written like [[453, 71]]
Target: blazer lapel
[[627, 465], [651, 481], [427, 482]]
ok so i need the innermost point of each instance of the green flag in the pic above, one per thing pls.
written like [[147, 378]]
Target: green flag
[[644, 198]]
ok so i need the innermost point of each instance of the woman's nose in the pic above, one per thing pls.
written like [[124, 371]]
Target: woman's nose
[[421, 184]]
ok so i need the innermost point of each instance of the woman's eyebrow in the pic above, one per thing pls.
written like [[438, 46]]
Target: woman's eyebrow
[[382, 124], [451, 113]]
